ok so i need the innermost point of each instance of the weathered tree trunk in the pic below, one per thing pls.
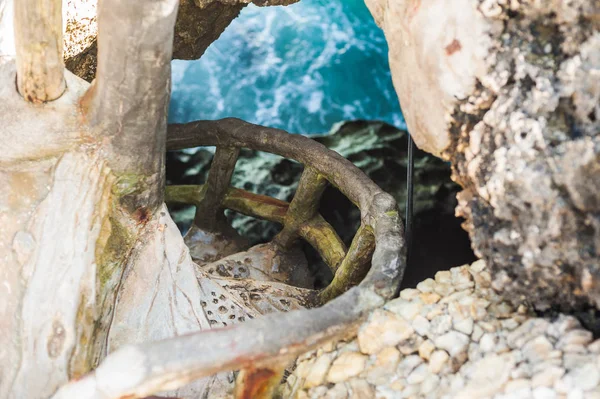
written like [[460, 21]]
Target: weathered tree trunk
[[99, 296], [509, 92]]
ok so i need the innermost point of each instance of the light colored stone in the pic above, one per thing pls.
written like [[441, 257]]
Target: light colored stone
[[501, 310], [452, 342], [410, 310], [488, 376], [425, 349], [318, 371], [429, 298], [430, 384], [440, 324], [487, 343], [575, 338], [421, 325], [418, 375], [477, 333], [526, 331], [347, 365], [437, 360], [409, 293], [317, 392], [339, 391], [517, 385], [361, 389], [464, 326], [509, 324], [411, 345], [426, 285], [434, 311], [547, 377], [408, 364], [594, 347], [543, 393], [443, 277], [303, 368], [538, 349], [398, 385], [443, 289], [384, 367], [461, 278], [477, 266], [586, 377], [382, 329], [478, 309]]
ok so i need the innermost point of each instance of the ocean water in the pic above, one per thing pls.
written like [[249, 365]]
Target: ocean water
[[301, 68]]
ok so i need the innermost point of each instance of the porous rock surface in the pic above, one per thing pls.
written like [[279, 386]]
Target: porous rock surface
[[453, 337], [509, 91]]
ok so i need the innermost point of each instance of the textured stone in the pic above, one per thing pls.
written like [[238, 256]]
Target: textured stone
[[383, 329], [585, 377], [425, 349], [437, 360], [426, 285], [347, 365], [421, 325], [453, 342], [316, 375]]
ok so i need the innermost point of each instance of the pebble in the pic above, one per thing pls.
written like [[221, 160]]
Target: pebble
[[440, 324], [437, 360], [383, 329], [487, 343], [443, 289], [547, 377], [408, 364], [409, 293], [429, 298], [426, 285], [585, 377], [452, 342], [426, 349], [443, 277], [347, 365], [318, 371], [421, 325], [384, 367], [464, 326], [418, 375]]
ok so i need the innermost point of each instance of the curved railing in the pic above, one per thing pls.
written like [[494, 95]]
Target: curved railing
[[264, 346], [300, 218]]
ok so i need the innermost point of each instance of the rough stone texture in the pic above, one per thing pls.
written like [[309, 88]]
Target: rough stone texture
[[199, 23], [508, 91], [509, 353]]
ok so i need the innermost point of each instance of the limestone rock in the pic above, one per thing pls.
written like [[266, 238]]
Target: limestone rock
[[382, 330], [508, 92]]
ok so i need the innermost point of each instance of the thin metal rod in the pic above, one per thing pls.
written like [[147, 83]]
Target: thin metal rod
[[409, 198]]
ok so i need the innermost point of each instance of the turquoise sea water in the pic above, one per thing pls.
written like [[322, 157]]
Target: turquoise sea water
[[302, 68]]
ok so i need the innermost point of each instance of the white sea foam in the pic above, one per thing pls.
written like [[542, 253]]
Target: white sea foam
[[301, 68]]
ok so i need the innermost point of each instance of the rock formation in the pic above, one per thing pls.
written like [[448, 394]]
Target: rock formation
[[509, 91]]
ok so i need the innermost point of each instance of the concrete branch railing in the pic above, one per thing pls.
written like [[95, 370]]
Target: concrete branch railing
[[300, 218]]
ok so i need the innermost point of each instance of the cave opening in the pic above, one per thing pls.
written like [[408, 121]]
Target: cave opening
[[329, 79]]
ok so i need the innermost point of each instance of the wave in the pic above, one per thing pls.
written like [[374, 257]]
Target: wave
[[301, 68]]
